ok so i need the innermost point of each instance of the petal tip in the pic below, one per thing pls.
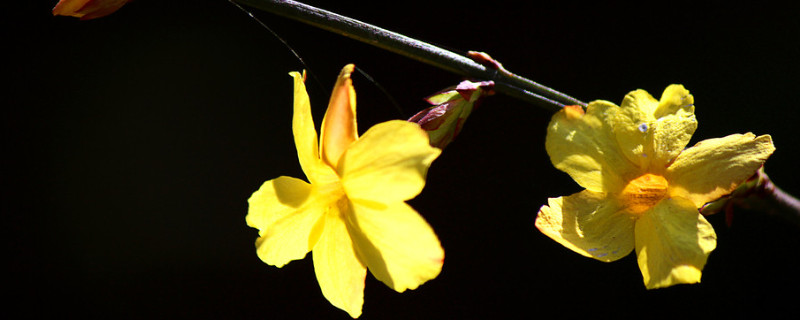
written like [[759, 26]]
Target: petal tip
[[347, 70], [573, 112]]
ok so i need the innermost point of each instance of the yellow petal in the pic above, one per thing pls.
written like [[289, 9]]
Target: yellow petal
[[286, 212], [639, 105], [339, 272], [673, 242], [715, 167], [305, 136], [584, 146], [388, 163], [631, 126], [588, 223], [339, 128], [670, 135], [652, 133], [275, 199], [674, 100], [398, 246], [674, 126]]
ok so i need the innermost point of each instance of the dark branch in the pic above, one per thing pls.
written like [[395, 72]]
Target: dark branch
[[505, 82]]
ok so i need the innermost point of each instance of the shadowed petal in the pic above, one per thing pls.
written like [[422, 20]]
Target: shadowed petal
[[339, 128], [275, 199], [339, 272], [398, 246], [388, 163], [588, 223], [673, 242], [583, 146], [715, 167], [286, 212]]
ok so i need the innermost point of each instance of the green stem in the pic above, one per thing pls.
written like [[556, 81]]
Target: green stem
[[505, 81]]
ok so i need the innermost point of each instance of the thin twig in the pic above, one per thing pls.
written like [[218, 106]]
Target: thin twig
[[505, 82]]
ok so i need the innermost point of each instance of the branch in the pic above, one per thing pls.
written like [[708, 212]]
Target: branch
[[767, 197], [505, 81], [758, 193]]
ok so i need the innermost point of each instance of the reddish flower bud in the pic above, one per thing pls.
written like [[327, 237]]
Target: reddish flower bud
[[451, 108], [87, 9]]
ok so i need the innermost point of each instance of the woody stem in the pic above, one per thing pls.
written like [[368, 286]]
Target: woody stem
[[773, 200], [505, 81]]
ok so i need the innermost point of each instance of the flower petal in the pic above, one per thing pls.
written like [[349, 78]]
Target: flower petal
[[398, 246], [639, 105], [287, 212], [339, 128], [339, 272], [631, 126], [715, 167], [305, 136], [275, 199], [670, 135], [588, 223], [674, 100], [652, 133], [673, 242], [584, 146], [388, 163]]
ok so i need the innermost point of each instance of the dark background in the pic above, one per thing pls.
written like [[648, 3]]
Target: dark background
[[132, 142]]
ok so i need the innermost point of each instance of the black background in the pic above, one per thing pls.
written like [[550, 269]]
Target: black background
[[132, 142]]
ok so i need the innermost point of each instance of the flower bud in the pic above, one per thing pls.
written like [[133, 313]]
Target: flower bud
[[450, 110], [87, 9]]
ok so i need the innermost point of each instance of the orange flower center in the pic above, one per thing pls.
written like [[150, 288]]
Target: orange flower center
[[643, 193]]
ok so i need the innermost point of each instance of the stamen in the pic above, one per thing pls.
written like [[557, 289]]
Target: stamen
[[643, 193]]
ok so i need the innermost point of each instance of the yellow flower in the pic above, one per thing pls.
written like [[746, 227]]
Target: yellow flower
[[643, 190], [352, 215]]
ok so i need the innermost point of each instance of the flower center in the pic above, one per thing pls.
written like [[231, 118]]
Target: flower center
[[643, 193], [334, 196]]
